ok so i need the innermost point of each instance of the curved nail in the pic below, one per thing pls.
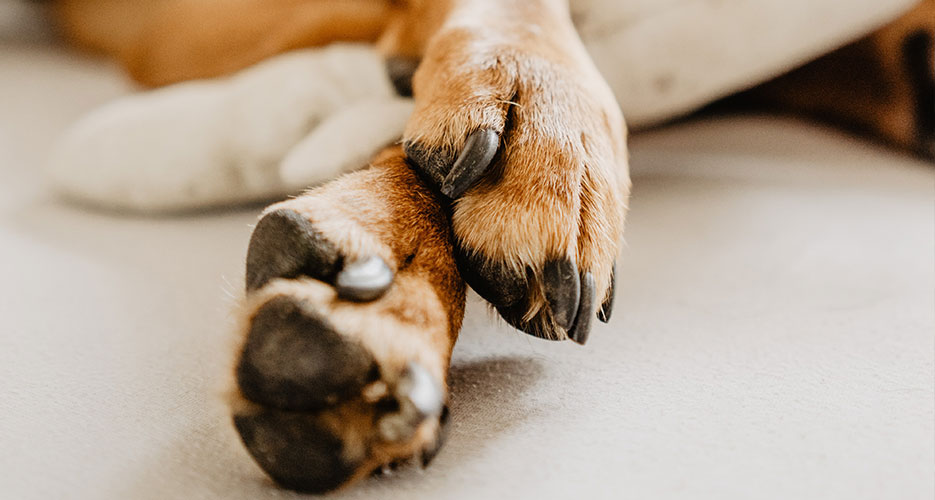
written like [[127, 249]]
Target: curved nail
[[607, 308], [285, 244], [478, 152], [579, 333], [419, 397], [364, 280], [418, 388], [562, 290]]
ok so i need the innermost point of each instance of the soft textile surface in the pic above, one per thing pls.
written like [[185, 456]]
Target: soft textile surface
[[665, 57], [300, 118], [772, 339]]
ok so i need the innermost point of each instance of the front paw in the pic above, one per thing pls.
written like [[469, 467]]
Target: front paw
[[530, 146], [353, 306]]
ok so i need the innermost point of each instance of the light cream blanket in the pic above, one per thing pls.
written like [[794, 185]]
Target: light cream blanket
[[305, 117]]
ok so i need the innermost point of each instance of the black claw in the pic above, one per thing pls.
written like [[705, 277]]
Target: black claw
[[607, 308], [296, 450], [400, 70], [294, 360], [579, 333], [479, 150], [364, 280], [433, 164], [562, 290], [286, 245], [455, 174], [496, 282]]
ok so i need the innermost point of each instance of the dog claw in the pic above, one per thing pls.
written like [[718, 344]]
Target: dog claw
[[419, 396], [285, 244], [607, 308], [364, 280], [479, 150], [582, 328], [562, 290]]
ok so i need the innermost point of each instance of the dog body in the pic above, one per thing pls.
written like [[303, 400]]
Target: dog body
[[520, 148]]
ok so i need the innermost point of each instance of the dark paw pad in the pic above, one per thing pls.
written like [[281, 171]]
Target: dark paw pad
[[294, 360], [494, 281], [296, 450], [286, 245]]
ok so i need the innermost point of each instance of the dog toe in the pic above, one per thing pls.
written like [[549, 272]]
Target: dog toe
[[285, 244], [495, 281]]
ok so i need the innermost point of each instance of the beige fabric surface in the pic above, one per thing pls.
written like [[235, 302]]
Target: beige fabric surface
[[300, 118], [773, 336], [663, 58]]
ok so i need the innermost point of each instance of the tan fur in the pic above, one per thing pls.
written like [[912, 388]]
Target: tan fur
[[562, 181], [167, 41]]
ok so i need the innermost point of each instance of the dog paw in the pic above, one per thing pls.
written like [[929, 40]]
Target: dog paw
[[353, 307], [223, 141], [529, 143], [322, 406]]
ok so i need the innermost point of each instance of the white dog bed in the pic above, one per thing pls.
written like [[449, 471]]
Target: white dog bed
[[305, 117]]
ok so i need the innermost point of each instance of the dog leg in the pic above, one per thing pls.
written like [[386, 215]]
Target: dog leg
[[515, 125], [353, 306], [168, 41]]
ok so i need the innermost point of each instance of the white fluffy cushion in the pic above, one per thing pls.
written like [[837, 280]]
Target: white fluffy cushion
[[305, 117], [667, 57]]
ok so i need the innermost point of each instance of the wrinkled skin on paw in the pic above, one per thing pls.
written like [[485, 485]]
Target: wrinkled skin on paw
[[515, 126], [354, 304]]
